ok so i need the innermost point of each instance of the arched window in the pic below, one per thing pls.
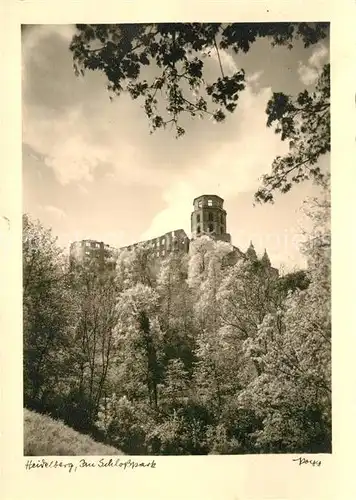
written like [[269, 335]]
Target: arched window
[[211, 228], [198, 218], [198, 229], [210, 217]]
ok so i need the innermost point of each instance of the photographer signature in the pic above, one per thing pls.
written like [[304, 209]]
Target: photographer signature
[[302, 461]]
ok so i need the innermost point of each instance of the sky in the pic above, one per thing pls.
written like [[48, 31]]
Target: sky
[[91, 169]]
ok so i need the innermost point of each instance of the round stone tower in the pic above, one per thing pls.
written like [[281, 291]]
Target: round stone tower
[[209, 218]]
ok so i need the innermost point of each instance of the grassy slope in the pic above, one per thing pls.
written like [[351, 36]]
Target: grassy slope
[[44, 436]]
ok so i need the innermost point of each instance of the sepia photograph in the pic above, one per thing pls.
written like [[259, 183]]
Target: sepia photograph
[[176, 240]]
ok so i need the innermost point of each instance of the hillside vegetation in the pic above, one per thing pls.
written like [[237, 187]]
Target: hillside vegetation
[[44, 436], [202, 357]]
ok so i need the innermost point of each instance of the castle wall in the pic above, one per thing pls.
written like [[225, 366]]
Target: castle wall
[[208, 217], [164, 245]]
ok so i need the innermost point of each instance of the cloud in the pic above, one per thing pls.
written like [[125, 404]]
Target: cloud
[[227, 61], [232, 167], [33, 37], [83, 189], [77, 139], [58, 213], [70, 121], [318, 56], [254, 77], [86, 132], [309, 73], [63, 144]]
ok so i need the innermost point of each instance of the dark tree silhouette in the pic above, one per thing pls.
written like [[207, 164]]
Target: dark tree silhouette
[[177, 85]]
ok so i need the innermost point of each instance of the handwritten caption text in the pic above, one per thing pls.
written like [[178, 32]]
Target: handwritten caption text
[[83, 463]]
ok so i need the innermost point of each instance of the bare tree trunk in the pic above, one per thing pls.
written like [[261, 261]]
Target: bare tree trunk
[[151, 360]]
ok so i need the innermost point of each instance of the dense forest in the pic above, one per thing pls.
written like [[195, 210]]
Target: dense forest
[[200, 357]]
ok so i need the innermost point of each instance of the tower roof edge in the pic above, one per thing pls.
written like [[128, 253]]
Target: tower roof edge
[[208, 196]]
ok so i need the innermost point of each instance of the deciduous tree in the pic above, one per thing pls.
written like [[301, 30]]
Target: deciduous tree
[[293, 346], [50, 314], [163, 65]]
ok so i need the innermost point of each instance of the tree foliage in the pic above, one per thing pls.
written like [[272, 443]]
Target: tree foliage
[[49, 313], [305, 123], [212, 357], [164, 67], [293, 345]]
